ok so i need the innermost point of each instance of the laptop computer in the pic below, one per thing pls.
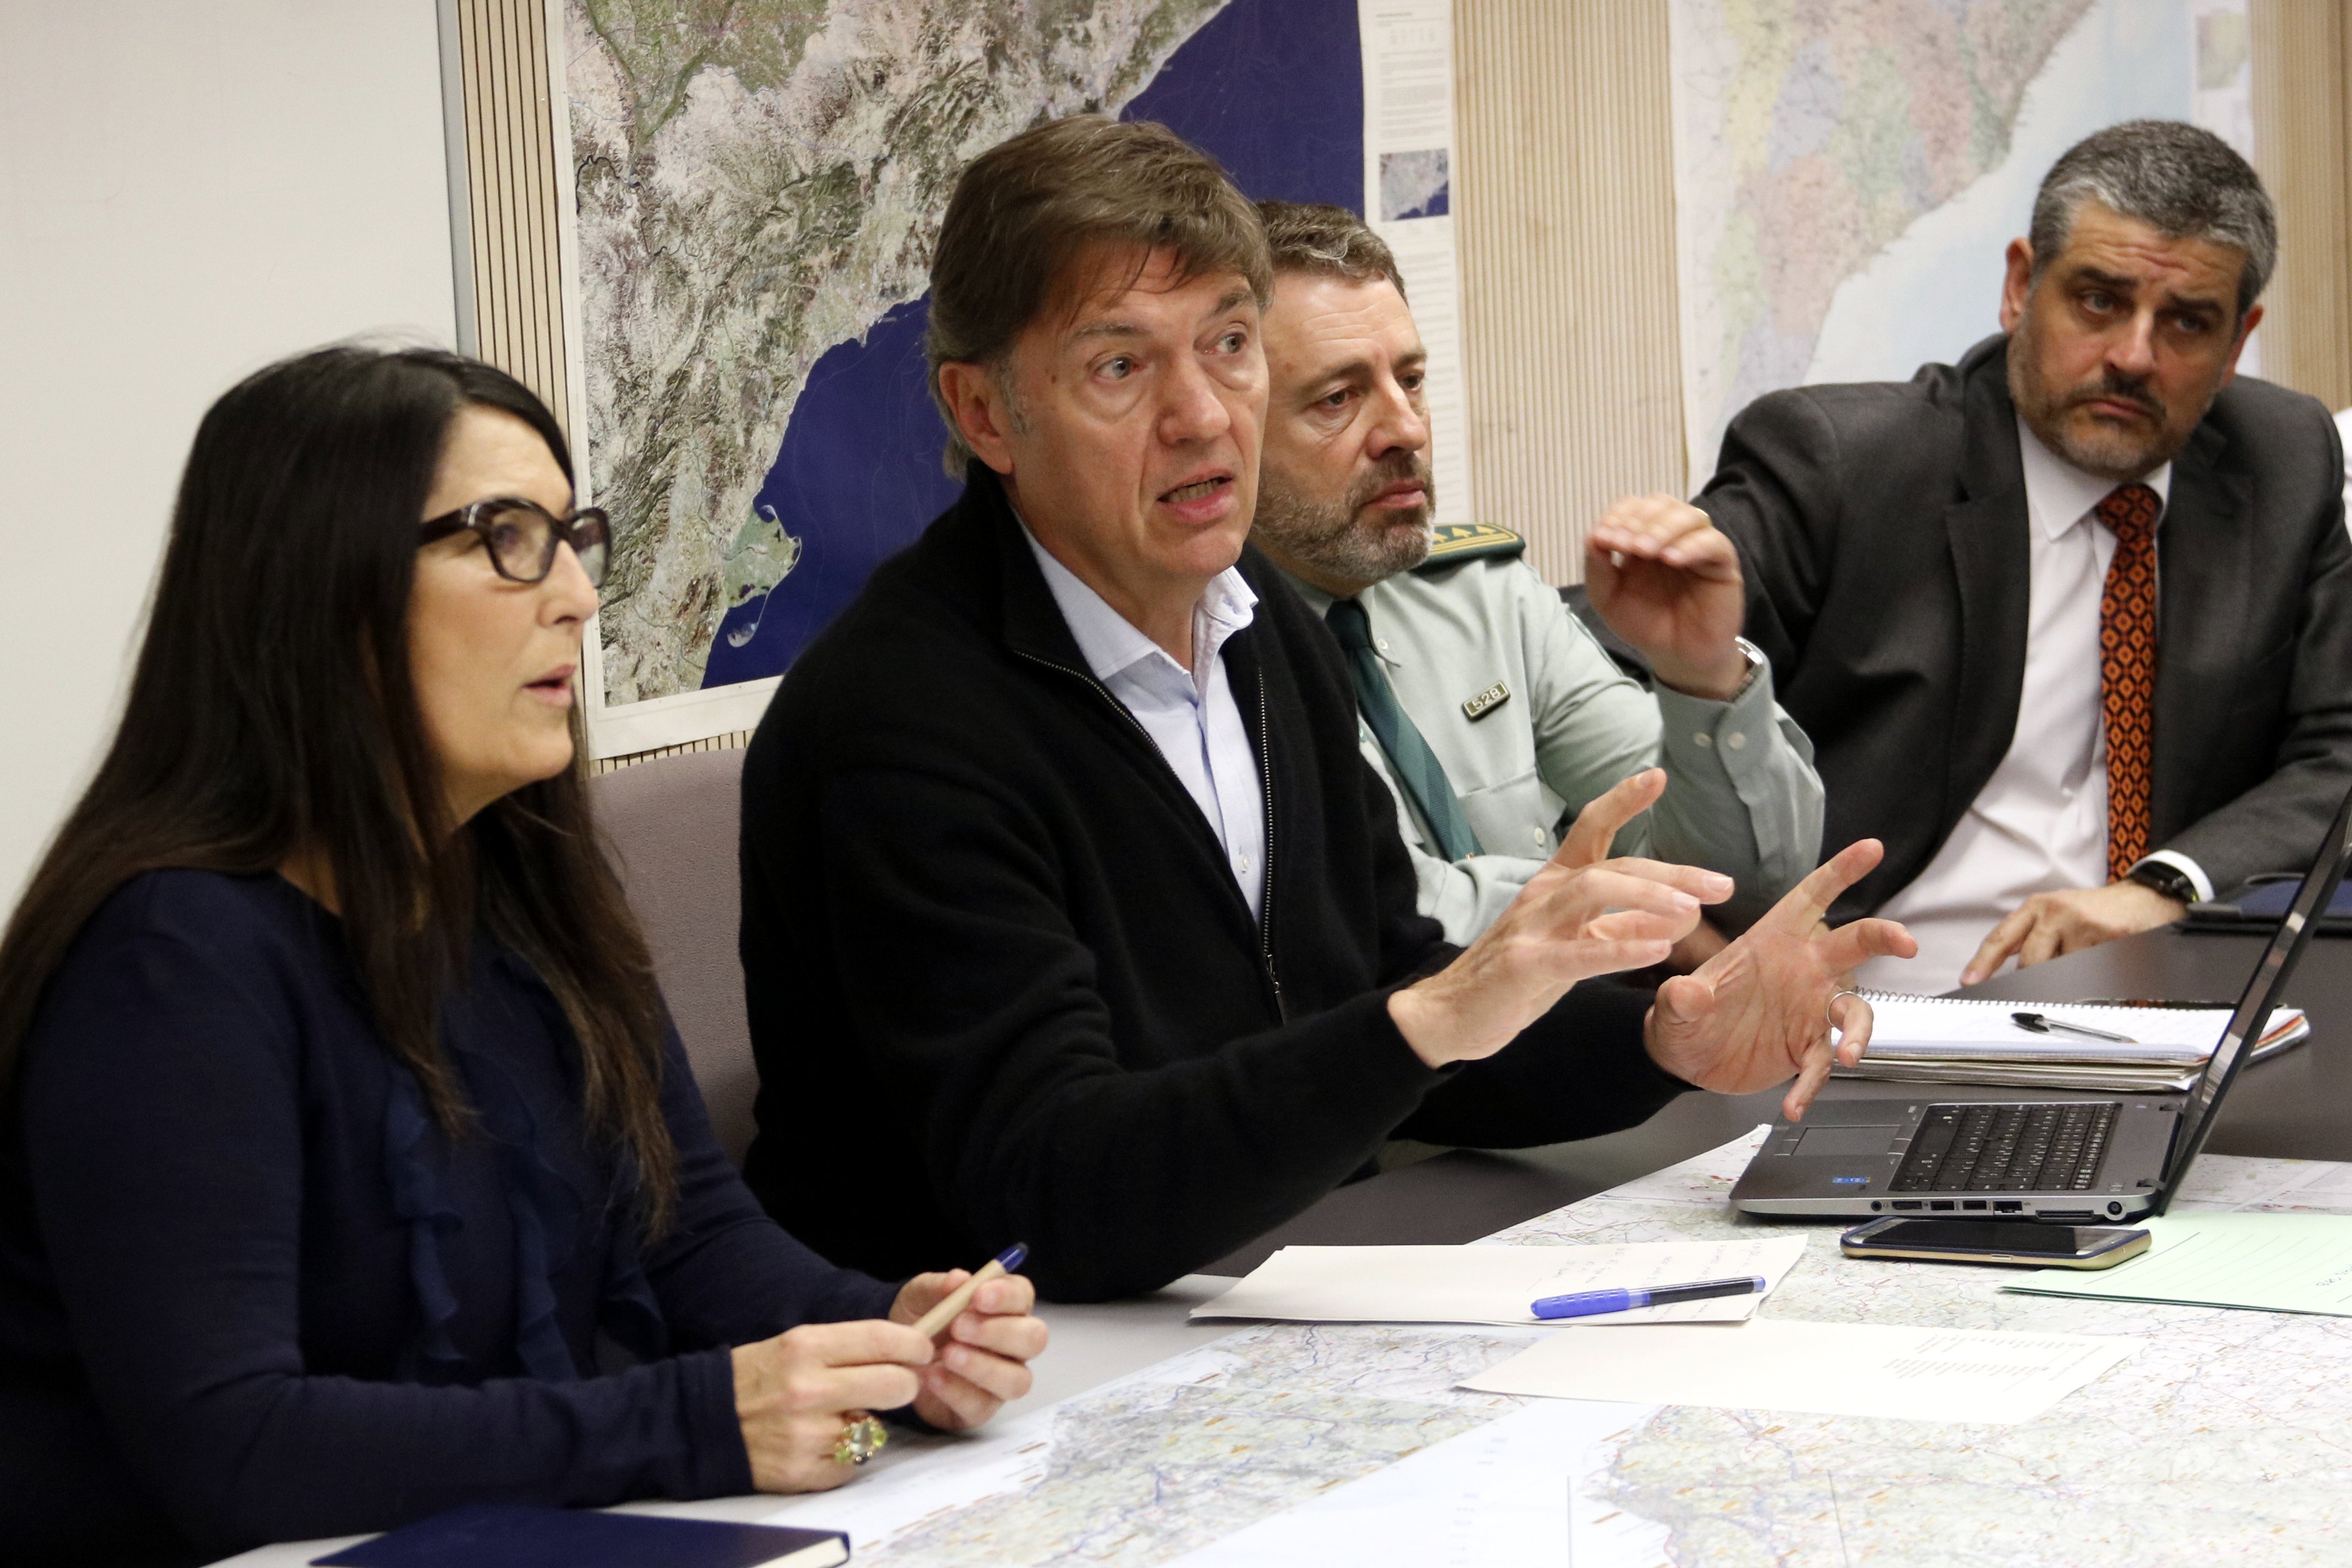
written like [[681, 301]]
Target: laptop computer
[[1926, 1149]]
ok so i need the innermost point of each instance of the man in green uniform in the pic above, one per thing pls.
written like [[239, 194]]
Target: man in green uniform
[[1492, 712]]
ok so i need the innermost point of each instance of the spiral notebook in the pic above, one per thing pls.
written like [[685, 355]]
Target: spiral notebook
[[1976, 1039]]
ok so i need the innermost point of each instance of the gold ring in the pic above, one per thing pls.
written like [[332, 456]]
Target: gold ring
[[1829, 1013], [861, 1438]]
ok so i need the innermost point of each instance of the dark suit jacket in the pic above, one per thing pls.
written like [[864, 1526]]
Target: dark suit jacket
[[1883, 532]]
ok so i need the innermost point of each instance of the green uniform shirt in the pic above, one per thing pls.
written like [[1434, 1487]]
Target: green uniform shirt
[[1532, 720]]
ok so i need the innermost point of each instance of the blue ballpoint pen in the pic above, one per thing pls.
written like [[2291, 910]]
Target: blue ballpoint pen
[[1591, 1303], [997, 1267]]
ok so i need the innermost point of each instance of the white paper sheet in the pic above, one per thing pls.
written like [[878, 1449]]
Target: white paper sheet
[[1978, 1029], [2234, 1182], [1409, 202], [1833, 1368], [1503, 1494], [1497, 1284]]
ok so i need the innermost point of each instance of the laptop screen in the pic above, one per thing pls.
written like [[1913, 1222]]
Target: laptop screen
[[2261, 996]]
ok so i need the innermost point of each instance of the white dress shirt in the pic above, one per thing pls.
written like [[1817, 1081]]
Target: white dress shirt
[[2343, 428], [2040, 824], [1190, 714]]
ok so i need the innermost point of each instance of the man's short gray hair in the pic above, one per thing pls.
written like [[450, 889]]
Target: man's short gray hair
[[2185, 183]]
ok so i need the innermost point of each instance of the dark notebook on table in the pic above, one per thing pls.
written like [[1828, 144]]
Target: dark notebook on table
[[2261, 903], [517, 1537]]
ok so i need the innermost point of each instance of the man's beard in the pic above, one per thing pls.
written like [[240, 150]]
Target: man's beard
[[1341, 539], [2103, 449]]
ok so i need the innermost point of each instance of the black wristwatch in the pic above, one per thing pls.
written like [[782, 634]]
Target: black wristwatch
[[2166, 878]]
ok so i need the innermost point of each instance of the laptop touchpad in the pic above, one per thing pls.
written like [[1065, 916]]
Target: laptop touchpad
[[1846, 1142]]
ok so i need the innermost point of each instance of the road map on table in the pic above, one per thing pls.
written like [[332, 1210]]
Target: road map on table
[[2222, 1440], [1179, 1454]]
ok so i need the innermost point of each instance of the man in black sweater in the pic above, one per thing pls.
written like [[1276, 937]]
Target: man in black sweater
[[1071, 911]]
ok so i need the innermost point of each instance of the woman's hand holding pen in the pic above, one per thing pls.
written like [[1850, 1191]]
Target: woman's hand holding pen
[[983, 1359], [796, 1393]]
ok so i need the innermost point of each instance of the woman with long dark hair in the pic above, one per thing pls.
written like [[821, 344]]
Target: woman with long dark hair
[[350, 1169]]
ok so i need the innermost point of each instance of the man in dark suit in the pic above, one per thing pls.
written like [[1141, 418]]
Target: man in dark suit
[[2070, 622]]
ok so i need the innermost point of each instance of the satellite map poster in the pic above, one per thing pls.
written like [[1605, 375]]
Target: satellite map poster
[[1848, 173], [757, 185]]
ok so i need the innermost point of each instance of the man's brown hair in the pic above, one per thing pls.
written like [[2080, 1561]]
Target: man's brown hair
[[1029, 207], [1328, 241]]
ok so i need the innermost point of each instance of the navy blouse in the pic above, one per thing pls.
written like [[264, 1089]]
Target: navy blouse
[[249, 1291]]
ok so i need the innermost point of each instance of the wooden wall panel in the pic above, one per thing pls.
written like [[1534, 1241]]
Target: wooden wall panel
[[1564, 135], [731, 740], [510, 150], [2303, 141]]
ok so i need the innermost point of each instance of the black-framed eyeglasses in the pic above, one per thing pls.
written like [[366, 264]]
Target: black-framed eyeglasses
[[521, 537]]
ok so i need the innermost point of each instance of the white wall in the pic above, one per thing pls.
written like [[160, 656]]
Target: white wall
[[188, 189]]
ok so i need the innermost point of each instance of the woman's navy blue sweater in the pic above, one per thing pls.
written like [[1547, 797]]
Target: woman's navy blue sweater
[[251, 1291]]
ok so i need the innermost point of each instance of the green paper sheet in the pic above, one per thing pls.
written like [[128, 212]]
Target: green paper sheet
[[2265, 1262]]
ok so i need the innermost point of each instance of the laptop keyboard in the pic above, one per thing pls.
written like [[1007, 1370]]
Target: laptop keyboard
[[2007, 1148]]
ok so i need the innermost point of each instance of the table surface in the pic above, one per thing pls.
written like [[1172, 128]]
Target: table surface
[[1091, 1345], [2292, 1106], [2288, 1106]]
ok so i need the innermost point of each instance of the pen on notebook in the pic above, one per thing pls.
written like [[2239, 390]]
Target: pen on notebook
[[2042, 1024], [956, 1300], [1591, 1303]]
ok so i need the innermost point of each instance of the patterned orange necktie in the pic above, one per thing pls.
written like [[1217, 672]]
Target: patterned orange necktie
[[2127, 670]]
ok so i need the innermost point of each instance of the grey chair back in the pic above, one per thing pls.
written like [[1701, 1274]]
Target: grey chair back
[[672, 824]]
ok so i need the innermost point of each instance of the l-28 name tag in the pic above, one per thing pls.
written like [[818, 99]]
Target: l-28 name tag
[[1487, 701]]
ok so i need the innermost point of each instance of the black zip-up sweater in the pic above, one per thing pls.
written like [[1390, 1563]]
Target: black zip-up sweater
[[1003, 987]]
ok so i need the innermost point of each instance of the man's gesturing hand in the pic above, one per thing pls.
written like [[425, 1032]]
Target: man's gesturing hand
[[2048, 924], [1759, 1010], [1668, 582], [1582, 915]]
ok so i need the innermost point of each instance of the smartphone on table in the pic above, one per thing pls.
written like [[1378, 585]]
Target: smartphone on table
[[1996, 1241]]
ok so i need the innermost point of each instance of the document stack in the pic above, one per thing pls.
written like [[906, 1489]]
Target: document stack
[[2104, 1048]]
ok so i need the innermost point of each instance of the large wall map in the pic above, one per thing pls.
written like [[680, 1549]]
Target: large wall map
[[1848, 172], [757, 185]]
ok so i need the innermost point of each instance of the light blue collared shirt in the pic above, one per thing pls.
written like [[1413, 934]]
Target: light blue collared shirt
[[1190, 714]]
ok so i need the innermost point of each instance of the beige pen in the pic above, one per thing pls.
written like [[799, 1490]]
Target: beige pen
[[956, 1300]]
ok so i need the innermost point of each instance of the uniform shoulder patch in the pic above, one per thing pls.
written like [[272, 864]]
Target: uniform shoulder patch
[[1460, 542]]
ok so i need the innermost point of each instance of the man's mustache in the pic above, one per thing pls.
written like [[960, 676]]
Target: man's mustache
[[1393, 469], [2113, 388]]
